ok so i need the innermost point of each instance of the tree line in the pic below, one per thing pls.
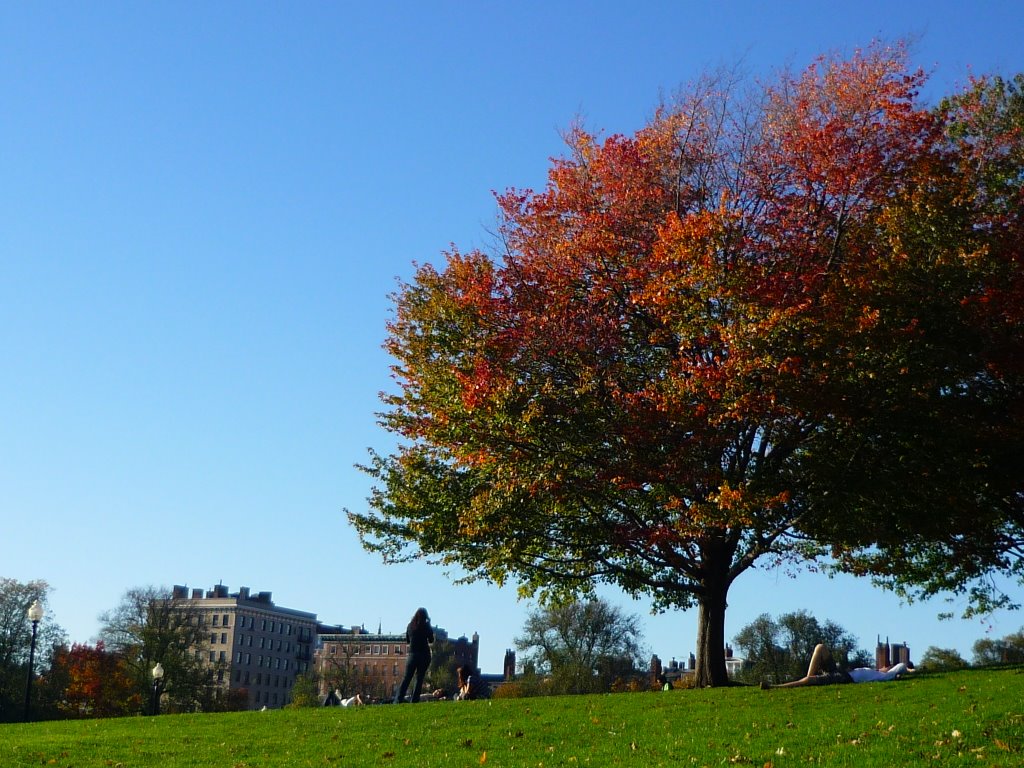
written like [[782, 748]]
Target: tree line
[[111, 677], [574, 647]]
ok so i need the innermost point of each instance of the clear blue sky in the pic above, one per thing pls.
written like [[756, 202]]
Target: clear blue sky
[[203, 209]]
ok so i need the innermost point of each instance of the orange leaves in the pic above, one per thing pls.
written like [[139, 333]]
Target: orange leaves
[[868, 318]]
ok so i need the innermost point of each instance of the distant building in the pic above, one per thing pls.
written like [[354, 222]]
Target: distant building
[[373, 664], [887, 655], [675, 671], [255, 646], [508, 667]]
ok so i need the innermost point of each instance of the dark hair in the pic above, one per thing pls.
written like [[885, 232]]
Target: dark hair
[[420, 618], [465, 672]]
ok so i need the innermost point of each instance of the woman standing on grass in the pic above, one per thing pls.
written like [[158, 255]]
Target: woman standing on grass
[[419, 635]]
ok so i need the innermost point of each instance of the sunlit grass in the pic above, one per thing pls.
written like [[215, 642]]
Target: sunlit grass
[[974, 717]]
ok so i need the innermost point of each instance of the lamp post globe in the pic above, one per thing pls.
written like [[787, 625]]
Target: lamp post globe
[[158, 678], [35, 615]]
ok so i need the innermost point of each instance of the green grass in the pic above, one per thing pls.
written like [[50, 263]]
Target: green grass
[[974, 717]]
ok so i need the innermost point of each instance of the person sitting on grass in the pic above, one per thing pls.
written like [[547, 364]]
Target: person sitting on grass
[[823, 671], [470, 685]]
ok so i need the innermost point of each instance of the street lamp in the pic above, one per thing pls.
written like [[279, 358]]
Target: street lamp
[[35, 615], [158, 678]]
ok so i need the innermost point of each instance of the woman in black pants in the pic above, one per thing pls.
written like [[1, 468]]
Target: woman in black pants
[[419, 635]]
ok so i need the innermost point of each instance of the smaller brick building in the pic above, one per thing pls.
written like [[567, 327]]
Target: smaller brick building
[[353, 660]]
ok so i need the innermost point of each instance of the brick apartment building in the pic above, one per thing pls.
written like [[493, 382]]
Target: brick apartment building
[[254, 645]]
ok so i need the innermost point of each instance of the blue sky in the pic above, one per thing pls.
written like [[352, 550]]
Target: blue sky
[[203, 209]]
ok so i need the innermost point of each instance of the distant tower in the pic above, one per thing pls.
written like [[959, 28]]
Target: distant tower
[[900, 653], [509, 666], [656, 669]]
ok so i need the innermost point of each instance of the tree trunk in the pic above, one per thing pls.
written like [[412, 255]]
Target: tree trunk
[[710, 669]]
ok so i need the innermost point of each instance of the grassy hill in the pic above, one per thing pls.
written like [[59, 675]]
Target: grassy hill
[[974, 717]]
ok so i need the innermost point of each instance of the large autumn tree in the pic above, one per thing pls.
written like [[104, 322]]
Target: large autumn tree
[[779, 324]]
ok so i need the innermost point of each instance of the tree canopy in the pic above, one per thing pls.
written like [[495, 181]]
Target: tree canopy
[[581, 646], [772, 325], [15, 642], [149, 626], [778, 650]]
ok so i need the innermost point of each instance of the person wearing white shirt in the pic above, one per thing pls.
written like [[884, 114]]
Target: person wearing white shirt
[[823, 671]]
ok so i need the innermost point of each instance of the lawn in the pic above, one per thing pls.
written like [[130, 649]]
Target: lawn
[[974, 717]]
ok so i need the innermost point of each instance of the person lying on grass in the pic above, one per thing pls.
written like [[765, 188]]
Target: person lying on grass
[[823, 671]]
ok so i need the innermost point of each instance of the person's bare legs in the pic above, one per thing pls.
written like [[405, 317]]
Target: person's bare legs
[[821, 661], [818, 671]]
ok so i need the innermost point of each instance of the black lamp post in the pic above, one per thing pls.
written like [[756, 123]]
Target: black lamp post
[[35, 615], [158, 679]]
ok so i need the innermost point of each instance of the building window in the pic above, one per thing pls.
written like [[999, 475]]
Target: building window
[[220, 656], [213, 655], [215, 618], [224, 621], [213, 638], [223, 638], [376, 650]]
